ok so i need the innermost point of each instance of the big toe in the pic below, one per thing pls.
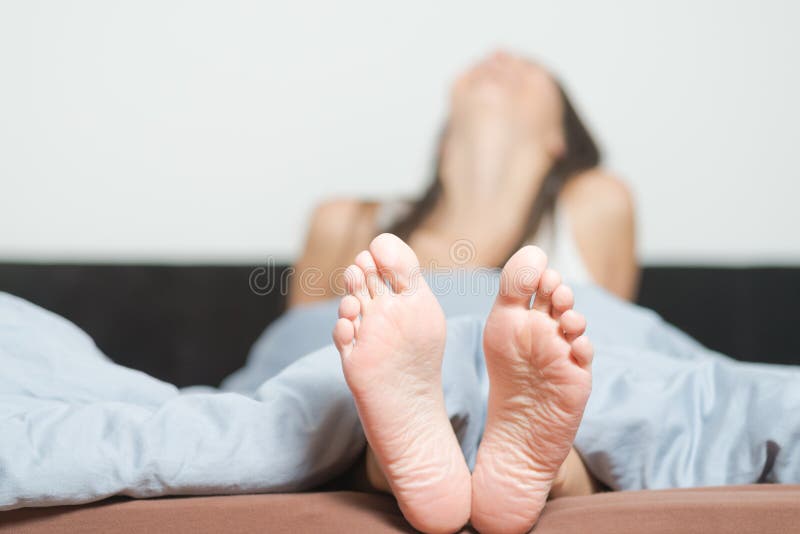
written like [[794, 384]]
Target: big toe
[[396, 262], [521, 275]]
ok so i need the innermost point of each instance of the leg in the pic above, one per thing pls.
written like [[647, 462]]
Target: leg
[[392, 360], [539, 362], [573, 479]]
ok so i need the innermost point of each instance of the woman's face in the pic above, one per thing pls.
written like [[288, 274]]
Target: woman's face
[[514, 93]]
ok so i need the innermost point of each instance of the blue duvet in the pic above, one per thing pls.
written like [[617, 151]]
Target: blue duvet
[[75, 427]]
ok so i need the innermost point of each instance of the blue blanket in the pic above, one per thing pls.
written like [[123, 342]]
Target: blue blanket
[[664, 412]]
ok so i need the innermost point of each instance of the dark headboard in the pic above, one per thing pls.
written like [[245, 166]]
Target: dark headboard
[[186, 325], [195, 324]]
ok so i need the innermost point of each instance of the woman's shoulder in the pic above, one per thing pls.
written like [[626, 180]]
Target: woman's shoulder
[[337, 230], [598, 193], [334, 221], [336, 211]]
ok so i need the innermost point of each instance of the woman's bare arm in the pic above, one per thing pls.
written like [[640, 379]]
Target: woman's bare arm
[[339, 229], [601, 211]]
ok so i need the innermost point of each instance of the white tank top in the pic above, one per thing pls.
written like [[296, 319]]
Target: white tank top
[[554, 236]]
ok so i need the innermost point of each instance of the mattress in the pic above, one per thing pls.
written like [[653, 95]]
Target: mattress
[[764, 509]]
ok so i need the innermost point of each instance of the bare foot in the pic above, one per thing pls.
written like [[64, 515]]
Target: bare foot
[[539, 365], [392, 361]]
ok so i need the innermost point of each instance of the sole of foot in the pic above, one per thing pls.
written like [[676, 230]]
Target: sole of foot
[[391, 335], [539, 365]]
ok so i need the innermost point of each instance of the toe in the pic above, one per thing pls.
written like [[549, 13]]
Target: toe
[[357, 285], [396, 262], [349, 307], [562, 300], [521, 276], [573, 324], [547, 286], [343, 335], [582, 351], [373, 280]]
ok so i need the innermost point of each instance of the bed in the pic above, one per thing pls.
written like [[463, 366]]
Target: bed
[[194, 324]]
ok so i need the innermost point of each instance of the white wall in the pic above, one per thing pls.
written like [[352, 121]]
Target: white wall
[[206, 130]]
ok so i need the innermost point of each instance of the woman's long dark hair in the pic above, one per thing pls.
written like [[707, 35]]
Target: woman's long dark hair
[[580, 154]]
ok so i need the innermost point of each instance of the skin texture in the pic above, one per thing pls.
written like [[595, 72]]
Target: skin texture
[[539, 365], [391, 341]]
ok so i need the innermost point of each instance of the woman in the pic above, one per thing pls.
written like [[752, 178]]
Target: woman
[[515, 166]]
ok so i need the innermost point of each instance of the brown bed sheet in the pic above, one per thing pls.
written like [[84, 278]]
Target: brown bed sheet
[[764, 509]]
